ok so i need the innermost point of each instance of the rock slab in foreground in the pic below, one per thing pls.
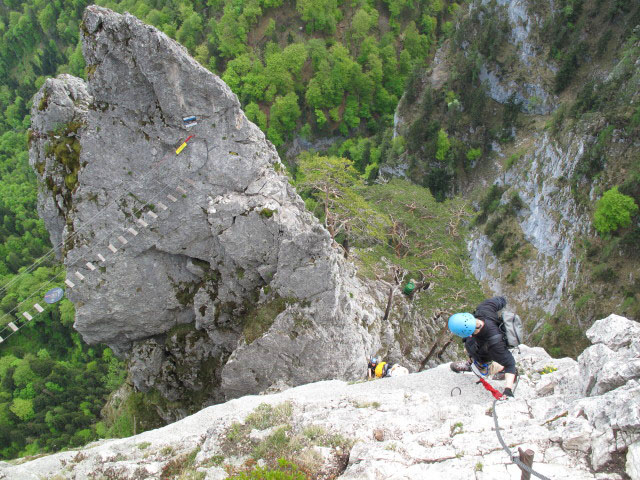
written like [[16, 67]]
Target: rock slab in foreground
[[404, 428]]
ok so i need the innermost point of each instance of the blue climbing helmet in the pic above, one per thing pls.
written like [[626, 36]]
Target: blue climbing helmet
[[462, 324]]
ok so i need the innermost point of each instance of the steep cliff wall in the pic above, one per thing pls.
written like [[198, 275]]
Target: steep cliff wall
[[550, 221], [538, 129], [234, 287], [550, 179]]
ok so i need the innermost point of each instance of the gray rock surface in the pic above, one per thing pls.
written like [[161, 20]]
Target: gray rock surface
[[633, 461], [221, 242], [59, 102], [550, 222], [532, 86], [617, 333], [412, 427], [612, 361], [241, 228]]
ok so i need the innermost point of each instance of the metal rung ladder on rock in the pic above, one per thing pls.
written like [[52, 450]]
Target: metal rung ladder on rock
[[91, 266]]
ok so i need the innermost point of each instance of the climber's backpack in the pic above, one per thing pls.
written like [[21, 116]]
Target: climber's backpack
[[510, 324]]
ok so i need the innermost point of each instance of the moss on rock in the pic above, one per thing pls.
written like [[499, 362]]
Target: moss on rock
[[260, 318]]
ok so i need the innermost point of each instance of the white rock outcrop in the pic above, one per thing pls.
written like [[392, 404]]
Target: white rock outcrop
[[434, 424]]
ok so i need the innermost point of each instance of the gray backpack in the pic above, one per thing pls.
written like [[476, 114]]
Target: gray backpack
[[510, 324]]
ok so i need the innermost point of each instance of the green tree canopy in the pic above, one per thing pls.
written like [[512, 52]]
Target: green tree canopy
[[284, 115], [335, 184], [613, 211], [319, 15]]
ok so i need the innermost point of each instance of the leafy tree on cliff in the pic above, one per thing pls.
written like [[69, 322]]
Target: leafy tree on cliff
[[613, 211], [336, 186]]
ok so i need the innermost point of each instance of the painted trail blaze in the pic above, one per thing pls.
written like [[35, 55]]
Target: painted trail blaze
[[184, 144]]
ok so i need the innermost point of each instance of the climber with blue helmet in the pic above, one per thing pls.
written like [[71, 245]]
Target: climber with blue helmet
[[378, 369], [484, 342], [372, 364]]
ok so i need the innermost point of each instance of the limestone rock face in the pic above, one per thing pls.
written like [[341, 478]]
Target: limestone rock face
[[532, 90], [613, 359], [60, 109], [617, 333], [633, 461], [433, 424], [550, 271], [213, 239]]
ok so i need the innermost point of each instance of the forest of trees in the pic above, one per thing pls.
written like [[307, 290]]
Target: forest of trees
[[52, 385], [308, 67]]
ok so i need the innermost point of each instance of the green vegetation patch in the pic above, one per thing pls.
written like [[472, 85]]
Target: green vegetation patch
[[261, 316], [426, 239], [561, 338], [502, 227], [131, 413], [284, 470], [489, 203], [613, 211], [183, 467], [294, 444], [267, 212], [44, 101], [185, 291], [265, 415], [64, 147]]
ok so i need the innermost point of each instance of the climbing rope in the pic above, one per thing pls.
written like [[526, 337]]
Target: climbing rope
[[497, 397], [513, 458]]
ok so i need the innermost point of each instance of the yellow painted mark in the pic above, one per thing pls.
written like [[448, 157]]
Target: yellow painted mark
[[181, 147]]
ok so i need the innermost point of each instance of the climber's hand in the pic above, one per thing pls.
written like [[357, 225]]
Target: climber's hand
[[508, 393]]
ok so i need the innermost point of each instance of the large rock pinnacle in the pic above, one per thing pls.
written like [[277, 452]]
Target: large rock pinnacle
[[235, 287]]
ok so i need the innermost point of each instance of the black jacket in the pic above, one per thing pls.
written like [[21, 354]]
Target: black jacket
[[487, 345]]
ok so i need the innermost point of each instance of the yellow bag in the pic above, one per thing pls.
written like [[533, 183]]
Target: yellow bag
[[380, 369]]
